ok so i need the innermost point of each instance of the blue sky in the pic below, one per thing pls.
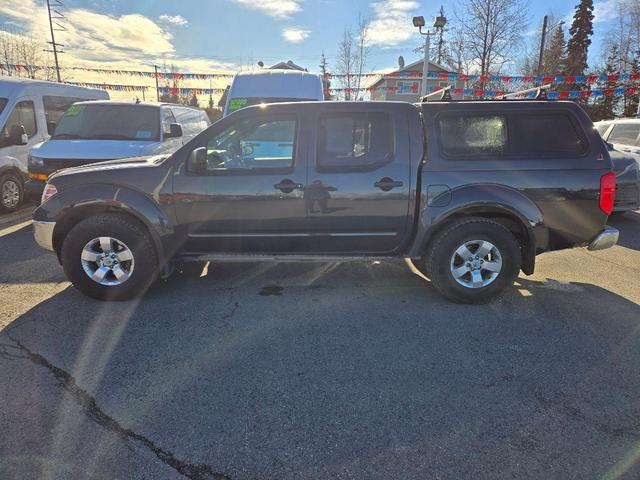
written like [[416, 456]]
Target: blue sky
[[210, 35]]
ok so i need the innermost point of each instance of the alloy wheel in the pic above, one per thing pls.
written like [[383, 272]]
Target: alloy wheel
[[107, 261], [476, 264], [10, 194]]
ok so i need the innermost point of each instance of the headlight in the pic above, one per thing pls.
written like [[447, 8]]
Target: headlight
[[35, 162], [48, 192]]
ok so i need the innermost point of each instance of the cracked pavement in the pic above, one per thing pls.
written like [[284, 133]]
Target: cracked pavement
[[256, 371]]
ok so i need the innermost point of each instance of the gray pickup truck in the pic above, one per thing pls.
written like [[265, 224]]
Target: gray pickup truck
[[471, 192]]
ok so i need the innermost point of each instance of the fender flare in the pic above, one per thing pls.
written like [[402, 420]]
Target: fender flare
[[483, 200], [76, 203]]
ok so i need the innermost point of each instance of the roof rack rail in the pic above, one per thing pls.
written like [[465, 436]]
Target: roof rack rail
[[540, 95], [445, 95]]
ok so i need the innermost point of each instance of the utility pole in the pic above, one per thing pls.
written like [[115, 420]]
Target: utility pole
[[53, 43], [543, 40], [420, 23], [157, 87]]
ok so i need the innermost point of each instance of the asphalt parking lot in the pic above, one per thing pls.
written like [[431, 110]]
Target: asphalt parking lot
[[351, 371]]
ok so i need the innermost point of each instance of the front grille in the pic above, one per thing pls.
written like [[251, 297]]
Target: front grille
[[53, 165], [627, 195]]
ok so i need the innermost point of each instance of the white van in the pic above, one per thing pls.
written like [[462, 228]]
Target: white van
[[271, 86], [29, 110], [91, 132]]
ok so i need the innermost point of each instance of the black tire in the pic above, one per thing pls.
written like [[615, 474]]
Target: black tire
[[11, 184], [438, 259], [125, 229]]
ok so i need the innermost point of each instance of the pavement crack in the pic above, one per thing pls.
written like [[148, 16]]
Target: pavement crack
[[91, 409], [232, 312]]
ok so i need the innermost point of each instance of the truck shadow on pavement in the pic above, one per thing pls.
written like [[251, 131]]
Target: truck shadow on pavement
[[358, 370]]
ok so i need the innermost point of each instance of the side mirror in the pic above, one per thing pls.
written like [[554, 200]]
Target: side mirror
[[51, 127], [18, 135], [197, 161], [175, 131]]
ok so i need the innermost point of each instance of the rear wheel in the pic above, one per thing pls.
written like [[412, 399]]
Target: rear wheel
[[109, 257], [473, 260], [11, 192]]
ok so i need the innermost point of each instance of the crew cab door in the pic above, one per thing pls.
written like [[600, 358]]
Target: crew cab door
[[249, 198], [357, 196]]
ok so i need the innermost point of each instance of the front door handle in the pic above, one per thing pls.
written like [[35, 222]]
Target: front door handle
[[387, 184], [288, 186]]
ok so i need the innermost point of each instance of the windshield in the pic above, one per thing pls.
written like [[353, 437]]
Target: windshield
[[3, 103], [109, 122], [238, 103]]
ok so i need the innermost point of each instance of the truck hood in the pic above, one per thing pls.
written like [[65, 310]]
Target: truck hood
[[120, 164], [98, 149]]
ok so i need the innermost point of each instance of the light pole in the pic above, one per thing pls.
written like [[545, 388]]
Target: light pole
[[438, 24]]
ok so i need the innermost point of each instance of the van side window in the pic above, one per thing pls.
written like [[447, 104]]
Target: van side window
[[23, 114], [473, 135], [253, 144], [547, 134], [55, 107], [354, 141], [625, 134]]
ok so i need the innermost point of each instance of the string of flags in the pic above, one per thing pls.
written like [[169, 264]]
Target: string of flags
[[111, 87], [442, 76]]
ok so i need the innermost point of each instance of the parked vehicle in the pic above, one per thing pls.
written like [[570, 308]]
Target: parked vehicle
[[627, 169], [470, 191], [29, 110], [91, 132], [623, 134], [272, 86]]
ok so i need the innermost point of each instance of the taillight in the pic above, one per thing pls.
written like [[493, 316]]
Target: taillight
[[48, 192], [607, 192]]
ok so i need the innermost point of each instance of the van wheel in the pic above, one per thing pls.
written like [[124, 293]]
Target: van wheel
[[473, 260], [109, 257], [11, 192]]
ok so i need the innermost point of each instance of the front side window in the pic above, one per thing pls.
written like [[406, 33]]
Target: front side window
[[354, 140], [253, 144], [466, 135], [23, 114], [547, 134], [109, 122], [625, 134], [3, 103]]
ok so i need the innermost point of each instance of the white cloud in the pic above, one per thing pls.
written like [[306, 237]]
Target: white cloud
[[391, 24], [295, 34], [275, 8], [178, 20], [606, 10]]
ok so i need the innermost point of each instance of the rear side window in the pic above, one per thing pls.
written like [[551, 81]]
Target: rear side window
[[477, 135], [625, 134], [354, 141], [547, 134]]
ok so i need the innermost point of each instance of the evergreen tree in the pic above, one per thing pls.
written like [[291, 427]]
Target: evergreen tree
[[580, 38], [631, 101], [605, 108], [554, 59]]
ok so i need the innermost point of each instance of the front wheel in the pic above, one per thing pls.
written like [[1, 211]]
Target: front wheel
[[11, 192], [473, 260], [109, 257]]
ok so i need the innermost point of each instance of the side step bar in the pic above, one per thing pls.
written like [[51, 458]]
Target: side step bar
[[231, 257]]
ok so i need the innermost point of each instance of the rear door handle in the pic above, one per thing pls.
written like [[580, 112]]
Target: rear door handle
[[387, 184], [288, 186]]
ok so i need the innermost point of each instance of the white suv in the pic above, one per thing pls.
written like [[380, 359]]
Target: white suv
[[624, 134]]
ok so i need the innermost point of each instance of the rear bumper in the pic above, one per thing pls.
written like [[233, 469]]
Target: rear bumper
[[43, 233], [606, 239]]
